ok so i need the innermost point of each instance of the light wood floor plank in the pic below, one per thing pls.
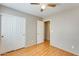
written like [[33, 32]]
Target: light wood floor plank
[[43, 49]]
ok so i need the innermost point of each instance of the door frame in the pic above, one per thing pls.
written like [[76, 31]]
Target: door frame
[[50, 20]]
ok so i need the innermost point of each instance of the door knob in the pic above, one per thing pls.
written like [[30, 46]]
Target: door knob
[[2, 36]]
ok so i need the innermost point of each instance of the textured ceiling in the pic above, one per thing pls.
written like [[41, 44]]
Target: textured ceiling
[[35, 9]]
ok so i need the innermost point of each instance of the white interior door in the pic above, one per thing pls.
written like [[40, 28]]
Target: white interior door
[[12, 33], [40, 32]]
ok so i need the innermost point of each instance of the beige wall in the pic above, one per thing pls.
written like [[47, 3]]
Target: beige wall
[[47, 30], [31, 23]]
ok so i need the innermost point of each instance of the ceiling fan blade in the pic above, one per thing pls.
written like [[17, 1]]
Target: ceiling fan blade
[[35, 3], [51, 5]]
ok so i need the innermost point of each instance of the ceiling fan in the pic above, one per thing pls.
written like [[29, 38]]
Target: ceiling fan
[[44, 5]]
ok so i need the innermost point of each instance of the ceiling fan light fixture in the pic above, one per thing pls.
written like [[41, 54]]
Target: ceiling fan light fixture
[[43, 6]]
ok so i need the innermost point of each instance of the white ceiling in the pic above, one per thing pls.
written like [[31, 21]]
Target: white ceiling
[[35, 9]]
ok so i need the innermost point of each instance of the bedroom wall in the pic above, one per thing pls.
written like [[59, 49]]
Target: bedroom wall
[[65, 30]]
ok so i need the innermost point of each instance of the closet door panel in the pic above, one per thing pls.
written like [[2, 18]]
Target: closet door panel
[[12, 33]]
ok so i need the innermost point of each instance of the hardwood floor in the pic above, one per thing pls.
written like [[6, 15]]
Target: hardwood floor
[[43, 49]]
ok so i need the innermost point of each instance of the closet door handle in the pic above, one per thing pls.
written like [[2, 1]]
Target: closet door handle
[[2, 36]]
